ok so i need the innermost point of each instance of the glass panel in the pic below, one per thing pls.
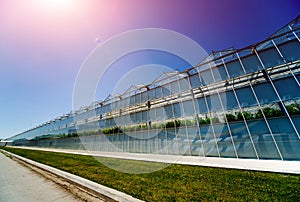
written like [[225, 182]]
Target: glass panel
[[265, 93], [234, 69], [287, 88], [184, 84], [242, 141], [160, 114], [182, 140], [144, 116], [262, 139], [169, 111], [158, 92], [220, 73], [251, 64], [188, 108], [209, 142], [133, 117], [131, 142], [132, 100], [206, 77], [122, 103], [152, 141], [138, 98], [195, 80], [162, 142], [138, 117], [290, 50], [194, 141], [174, 87], [144, 96], [151, 94], [171, 142], [213, 102], [177, 110], [229, 101], [165, 90], [152, 115], [270, 57], [201, 105], [224, 141], [286, 138], [127, 101], [115, 105], [246, 97]]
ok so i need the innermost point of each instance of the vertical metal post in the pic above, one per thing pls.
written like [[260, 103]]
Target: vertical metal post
[[273, 86], [223, 109], [241, 110], [195, 111], [186, 130], [208, 112], [294, 33], [284, 60], [260, 108]]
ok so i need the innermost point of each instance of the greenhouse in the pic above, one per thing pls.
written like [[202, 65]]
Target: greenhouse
[[241, 104]]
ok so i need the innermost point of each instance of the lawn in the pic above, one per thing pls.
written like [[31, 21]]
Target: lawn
[[175, 182]]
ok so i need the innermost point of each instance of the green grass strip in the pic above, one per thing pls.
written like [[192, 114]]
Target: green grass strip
[[176, 182]]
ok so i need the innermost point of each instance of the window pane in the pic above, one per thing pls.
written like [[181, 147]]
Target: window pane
[[242, 140], [177, 110], [165, 90], [265, 93], [138, 98], [290, 92], [262, 139], [188, 108], [160, 114], [251, 63], [220, 73], [224, 141], [158, 92], [229, 101], [286, 138], [214, 103], [246, 97], [201, 105], [184, 84], [144, 96], [234, 69], [174, 87], [152, 115], [195, 80], [151, 94], [270, 57], [169, 111], [290, 50], [206, 77], [209, 142]]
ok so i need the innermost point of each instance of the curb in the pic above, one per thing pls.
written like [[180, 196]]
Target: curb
[[86, 184]]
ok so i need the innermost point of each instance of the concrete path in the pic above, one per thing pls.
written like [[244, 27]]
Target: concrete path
[[19, 183]]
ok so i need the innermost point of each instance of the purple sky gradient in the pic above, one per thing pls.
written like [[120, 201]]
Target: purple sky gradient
[[42, 47]]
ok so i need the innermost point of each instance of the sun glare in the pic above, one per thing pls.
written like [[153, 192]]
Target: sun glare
[[57, 5]]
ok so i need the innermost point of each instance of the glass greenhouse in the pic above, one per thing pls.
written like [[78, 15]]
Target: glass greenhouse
[[234, 104]]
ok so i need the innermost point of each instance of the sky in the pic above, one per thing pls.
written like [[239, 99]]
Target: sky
[[43, 43]]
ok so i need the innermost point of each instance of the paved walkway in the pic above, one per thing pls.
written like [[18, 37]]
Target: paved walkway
[[19, 183]]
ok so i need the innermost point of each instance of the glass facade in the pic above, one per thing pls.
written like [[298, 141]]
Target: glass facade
[[234, 104]]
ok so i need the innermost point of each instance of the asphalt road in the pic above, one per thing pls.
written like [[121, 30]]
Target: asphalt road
[[19, 183]]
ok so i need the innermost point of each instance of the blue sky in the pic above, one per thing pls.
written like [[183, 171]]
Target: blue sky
[[42, 45]]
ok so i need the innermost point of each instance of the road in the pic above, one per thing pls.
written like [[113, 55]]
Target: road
[[19, 183]]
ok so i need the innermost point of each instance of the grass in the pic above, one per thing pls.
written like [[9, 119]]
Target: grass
[[175, 182]]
